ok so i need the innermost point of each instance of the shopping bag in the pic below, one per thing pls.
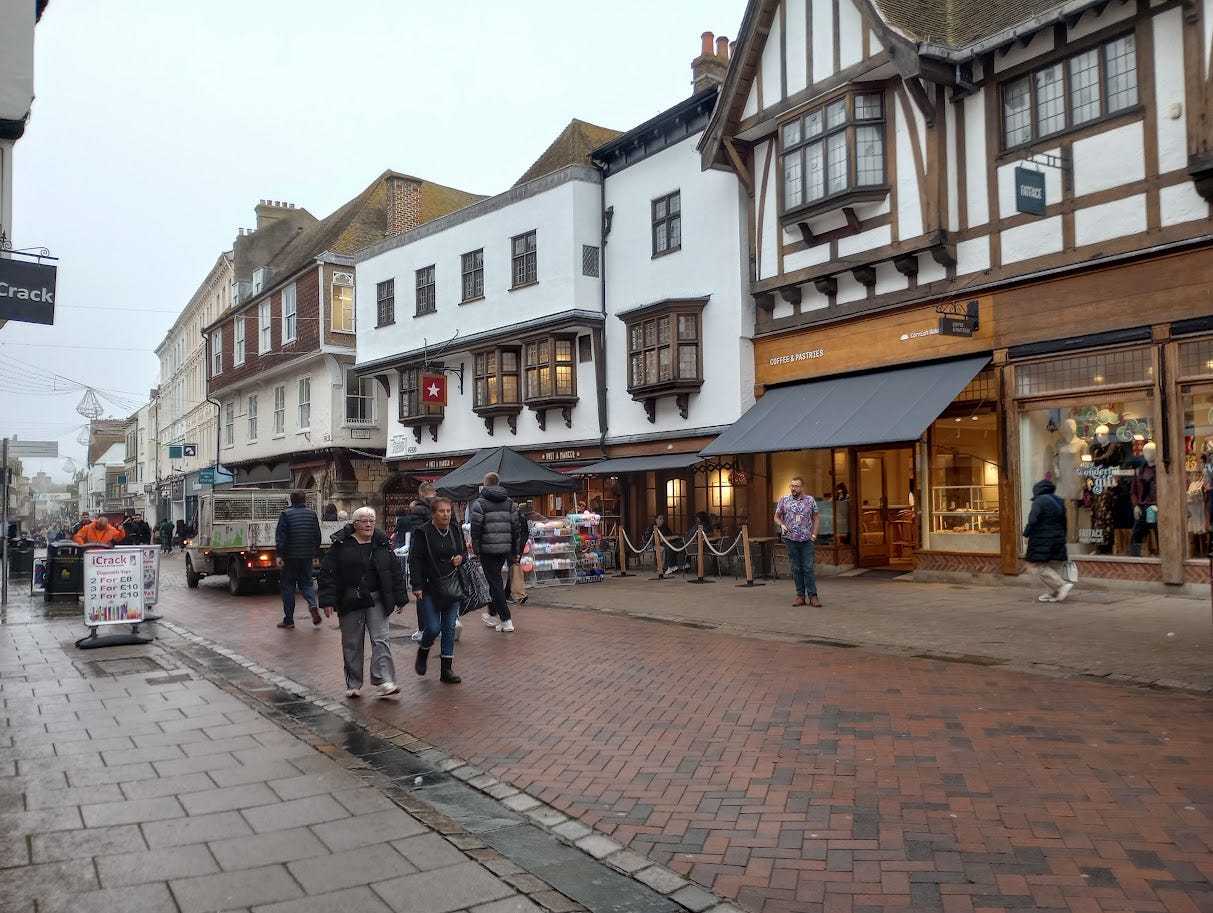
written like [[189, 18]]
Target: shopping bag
[[475, 587], [517, 581], [1069, 572]]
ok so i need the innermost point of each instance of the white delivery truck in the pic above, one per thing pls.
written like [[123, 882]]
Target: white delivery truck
[[236, 536]]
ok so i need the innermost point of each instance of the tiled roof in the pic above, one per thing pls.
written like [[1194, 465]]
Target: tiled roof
[[364, 221], [572, 147], [957, 23]]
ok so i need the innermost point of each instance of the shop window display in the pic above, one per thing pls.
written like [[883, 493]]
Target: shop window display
[[1198, 468], [964, 467], [825, 474], [1102, 459]]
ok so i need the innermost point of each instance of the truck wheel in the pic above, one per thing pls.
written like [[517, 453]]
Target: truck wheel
[[236, 584], [191, 578]]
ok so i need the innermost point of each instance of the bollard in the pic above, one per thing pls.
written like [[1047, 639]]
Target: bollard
[[749, 563], [700, 536], [657, 543], [621, 552]]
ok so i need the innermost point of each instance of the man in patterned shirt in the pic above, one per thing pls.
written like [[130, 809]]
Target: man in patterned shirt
[[796, 515]]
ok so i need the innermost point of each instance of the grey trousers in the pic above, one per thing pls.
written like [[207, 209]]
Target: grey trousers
[[354, 628]]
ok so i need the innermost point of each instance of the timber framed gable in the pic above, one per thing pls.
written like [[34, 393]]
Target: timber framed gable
[[1107, 100]]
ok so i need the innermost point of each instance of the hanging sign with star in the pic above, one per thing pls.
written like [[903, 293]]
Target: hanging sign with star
[[433, 389]]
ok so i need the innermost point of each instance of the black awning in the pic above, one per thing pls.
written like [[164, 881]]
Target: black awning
[[640, 464], [883, 407]]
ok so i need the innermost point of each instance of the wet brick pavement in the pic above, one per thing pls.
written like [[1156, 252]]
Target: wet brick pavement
[[798, 777]]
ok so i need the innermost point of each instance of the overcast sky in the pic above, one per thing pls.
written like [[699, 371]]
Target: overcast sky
[[158, 126]]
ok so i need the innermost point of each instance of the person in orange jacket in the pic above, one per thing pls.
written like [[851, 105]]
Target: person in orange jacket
[[99, 532]]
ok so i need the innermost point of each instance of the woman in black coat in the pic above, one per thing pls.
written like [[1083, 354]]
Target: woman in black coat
[[437, 549], [361, 577], [1046, 535]]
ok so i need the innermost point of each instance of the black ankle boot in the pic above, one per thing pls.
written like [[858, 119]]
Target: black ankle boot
[[448, 674], [423, 655]]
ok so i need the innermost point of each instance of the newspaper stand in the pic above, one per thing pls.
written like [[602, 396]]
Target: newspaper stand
[[118, 582]]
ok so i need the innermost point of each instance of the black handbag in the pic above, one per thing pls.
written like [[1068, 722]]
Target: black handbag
[[449, 589]]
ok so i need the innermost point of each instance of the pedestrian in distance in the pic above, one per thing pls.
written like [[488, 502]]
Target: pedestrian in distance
[[437, 550], [181, 534], [137, 530], [297, 541], [1046, 535], [85, 520], [361, 578], [495, 541], [99, 534], [166, 536], [797, 518]]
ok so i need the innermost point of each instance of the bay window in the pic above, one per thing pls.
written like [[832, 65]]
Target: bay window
[[834, 153]]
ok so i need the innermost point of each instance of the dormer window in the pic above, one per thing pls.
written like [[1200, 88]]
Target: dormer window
[[834, 154]]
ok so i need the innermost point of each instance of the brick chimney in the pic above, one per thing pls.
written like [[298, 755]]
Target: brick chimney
[[712, 63], [268, 211], [403, 204]]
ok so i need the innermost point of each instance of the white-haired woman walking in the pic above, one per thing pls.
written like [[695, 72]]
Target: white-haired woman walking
[[362, 578]]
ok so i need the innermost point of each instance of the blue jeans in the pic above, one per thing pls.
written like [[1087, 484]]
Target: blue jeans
[[802, 555], [296, 572], [435, 622]]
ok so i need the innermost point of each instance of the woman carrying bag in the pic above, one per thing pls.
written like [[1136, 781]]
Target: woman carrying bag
[[437, 549], [361, 577]]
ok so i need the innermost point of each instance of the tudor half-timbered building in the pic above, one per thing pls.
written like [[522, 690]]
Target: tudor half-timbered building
[[979, 252]]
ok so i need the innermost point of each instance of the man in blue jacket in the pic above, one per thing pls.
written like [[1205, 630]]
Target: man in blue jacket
[[297, 541]]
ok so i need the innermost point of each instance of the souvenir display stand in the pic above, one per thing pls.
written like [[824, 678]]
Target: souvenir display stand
[[588, 544], [552, 559]]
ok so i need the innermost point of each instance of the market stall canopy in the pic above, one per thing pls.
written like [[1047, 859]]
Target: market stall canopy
[[641, 464], [521, 477], [883, 407]]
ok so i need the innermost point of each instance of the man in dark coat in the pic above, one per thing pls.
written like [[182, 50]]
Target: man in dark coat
[[495, 541], [297, 540], [1046, 535], [137, 530]]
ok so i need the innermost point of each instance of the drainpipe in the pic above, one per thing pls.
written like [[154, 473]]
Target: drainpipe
[[218, 407], [599, 335]]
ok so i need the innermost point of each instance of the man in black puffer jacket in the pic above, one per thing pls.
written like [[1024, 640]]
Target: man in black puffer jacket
[[495, 540], [1046, 535], [297, 540]]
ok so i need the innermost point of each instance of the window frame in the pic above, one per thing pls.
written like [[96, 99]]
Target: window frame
[[1099, 43], [853, 191], [362, 390], [385, 302], [290, 315], [677, 380], [217, 352], [552, 363], [251, 412], [344, 282], [498, 374], [409, 395], [304, 385], [524, 266], [426, 290], [472, 271], [668, 220], [265, 324], [279, 410], [238, 341], [229, 423]]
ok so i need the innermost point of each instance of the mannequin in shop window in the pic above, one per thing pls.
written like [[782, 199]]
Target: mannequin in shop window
[[1105, 451], [1067, 458], [1144, 495], [1198, 507]]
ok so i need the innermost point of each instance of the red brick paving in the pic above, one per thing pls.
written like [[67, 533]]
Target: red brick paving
[[794, 777]]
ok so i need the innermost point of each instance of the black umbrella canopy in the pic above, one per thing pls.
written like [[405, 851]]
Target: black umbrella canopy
[[520, 476]]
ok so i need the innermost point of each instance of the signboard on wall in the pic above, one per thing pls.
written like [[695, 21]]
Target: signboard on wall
[[1030, 191], [27, 291]]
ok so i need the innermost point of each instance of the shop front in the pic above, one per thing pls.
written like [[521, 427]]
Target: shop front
[[893, 423]]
